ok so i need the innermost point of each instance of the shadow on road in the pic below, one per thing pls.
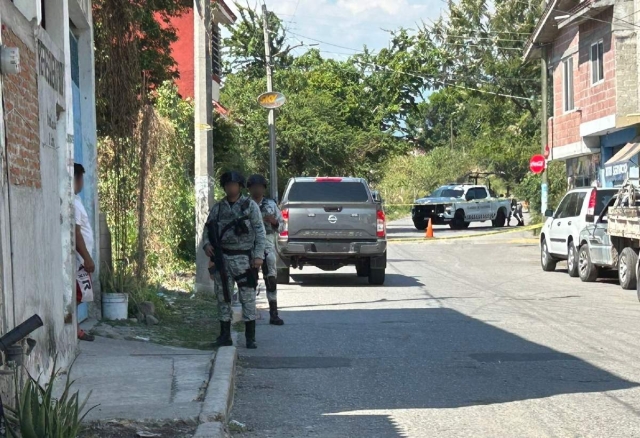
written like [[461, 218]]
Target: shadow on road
[[383, 300], [344, 372], [331, 279]]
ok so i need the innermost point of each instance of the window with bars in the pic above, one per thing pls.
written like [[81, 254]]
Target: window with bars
[[216, 55], [597, 62], [567, 84]]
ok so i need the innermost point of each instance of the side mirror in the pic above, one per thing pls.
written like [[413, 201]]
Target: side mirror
[[590, 218], [548, 213]]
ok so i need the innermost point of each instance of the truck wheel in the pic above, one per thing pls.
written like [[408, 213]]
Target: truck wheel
[[458, 222], [362, 268], [376, 276], [420, 224], [548, 263], [627, 268], [637, 284], [588, 271], [572, 260], [500, 219], [283, 276]]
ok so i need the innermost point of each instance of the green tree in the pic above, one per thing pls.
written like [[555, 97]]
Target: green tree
[[244, 48]]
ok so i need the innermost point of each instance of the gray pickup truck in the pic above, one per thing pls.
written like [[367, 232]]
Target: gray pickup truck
[[331, 223]]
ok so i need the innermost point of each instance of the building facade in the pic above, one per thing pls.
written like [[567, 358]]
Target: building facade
[[183, 50], [48, 113], [592, 59]]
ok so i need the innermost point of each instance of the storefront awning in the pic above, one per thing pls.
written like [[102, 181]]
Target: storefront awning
[[618, 166]]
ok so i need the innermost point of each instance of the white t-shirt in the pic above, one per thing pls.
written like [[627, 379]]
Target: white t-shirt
[[82, 219]]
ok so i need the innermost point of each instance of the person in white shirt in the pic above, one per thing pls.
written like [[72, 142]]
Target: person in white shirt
[[84, 240]]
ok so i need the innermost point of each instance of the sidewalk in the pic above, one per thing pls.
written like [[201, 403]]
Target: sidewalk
[[141, 381]]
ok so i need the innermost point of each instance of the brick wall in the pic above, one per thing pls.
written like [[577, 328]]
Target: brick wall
[[20, 99], [564, 129], [593, 101], [596, 101]]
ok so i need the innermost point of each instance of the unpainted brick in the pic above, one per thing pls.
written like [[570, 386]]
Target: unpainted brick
[[20, 99]]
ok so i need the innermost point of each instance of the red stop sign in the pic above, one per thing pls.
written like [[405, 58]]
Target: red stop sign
[[537, 164]]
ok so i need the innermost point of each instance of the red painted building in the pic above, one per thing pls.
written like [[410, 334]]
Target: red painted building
[[183, 49], [593, 70]]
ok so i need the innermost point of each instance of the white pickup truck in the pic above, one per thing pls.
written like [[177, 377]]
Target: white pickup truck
[[458, 205]]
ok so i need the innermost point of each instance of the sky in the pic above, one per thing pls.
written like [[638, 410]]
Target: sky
[[350, 24]]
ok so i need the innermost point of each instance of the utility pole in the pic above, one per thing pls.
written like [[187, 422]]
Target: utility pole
[[203, 134], [544, 186], [451, 131], [273, 167]]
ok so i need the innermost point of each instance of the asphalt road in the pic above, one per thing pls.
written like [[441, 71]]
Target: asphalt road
[[466, 339]]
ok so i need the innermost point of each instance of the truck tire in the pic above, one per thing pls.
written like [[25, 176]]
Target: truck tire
[[588, 271], [547, 262], [458, 222], [572, 260], [627, 269], [283, 276], [500, 219], [376, 276], [362, 268], [637, 284], [420, 224]]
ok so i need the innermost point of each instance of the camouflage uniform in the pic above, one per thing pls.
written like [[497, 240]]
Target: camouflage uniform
[[268, 207], [239, 251]]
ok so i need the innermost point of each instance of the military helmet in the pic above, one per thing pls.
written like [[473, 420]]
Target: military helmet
[[257, 179], [232, 176]]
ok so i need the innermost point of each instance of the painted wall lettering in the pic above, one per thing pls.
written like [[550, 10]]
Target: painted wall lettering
[[50, 68]]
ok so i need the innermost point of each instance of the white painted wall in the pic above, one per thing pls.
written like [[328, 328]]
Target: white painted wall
[[36, 244]]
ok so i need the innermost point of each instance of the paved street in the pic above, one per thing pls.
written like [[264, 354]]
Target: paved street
[[468, 338], [404, 229]]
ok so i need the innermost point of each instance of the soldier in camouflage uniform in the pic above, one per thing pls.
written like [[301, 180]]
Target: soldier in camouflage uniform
[[273, 224], [242, 238]]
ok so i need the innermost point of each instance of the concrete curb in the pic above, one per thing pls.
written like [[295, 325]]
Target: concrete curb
[[218, 399]]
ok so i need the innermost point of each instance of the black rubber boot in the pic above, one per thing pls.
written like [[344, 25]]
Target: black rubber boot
[[224, 340], [250, 334], [273, 313]]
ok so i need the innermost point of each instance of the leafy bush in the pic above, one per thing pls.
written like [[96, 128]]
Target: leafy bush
[[39, 415], [123, 280], [408, 178], [529, 189]]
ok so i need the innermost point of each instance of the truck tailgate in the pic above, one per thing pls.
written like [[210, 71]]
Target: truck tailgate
[[332, 221]]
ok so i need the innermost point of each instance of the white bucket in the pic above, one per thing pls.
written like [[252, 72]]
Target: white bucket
[[115, 306]]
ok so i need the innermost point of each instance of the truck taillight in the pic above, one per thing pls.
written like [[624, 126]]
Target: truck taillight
[[285, 231], [381, 225], [591, 210]]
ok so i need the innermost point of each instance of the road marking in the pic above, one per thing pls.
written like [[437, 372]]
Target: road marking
[[465, 236]]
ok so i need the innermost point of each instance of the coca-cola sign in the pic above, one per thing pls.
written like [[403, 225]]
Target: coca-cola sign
[[537, 164]]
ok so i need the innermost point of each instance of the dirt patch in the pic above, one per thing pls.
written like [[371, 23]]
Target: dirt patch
[[125, 429], [189, 321]]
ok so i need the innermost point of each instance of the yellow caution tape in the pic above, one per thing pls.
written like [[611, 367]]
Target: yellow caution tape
[[465, 236]]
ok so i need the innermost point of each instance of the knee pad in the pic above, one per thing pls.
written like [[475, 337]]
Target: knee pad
[[271, 283]]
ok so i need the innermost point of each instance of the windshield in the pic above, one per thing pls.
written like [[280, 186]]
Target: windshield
[[602, 200], [447, 192], [315, 191]]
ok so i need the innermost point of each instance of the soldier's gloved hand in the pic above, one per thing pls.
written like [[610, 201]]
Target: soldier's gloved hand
[[208, 249], [271, 219], [256, 263]]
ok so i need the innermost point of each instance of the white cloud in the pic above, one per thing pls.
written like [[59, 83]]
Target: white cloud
[[351, 23]]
